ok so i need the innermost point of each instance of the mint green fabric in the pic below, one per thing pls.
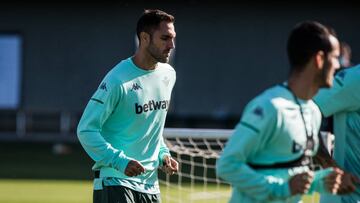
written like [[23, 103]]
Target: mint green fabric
[[124, 120], [270, 131], [343, 102]]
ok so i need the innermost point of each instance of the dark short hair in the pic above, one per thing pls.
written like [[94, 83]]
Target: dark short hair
[[305, 40], [150, 21]]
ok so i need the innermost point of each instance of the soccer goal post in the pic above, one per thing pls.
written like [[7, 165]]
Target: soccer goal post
[[196, 150]]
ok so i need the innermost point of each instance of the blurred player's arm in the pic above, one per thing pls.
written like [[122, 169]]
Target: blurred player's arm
[[344, 95], [339, 181], [249, 136], [323, 158]]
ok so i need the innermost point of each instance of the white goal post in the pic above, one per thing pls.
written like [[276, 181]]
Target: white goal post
[[197, 150]]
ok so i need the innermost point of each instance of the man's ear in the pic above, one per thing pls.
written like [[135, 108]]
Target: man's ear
[[319, 59], [144, 38]]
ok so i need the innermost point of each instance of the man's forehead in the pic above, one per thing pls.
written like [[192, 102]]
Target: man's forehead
[[166, 28], [334, 43], [333, 40]]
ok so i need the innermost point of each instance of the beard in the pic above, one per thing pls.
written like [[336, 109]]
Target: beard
[[157, 54], [326, 76]]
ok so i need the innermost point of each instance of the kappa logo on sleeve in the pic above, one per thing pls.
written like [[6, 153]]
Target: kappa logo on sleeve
[[258, 111], [103, 86], [342, 75]]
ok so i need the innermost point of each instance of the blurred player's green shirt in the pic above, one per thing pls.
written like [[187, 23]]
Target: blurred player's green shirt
[[343, 101], [124, 120], [270, 131]]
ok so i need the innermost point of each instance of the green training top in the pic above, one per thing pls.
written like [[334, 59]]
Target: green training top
[[343, 101], [270, 131], [124, 120]]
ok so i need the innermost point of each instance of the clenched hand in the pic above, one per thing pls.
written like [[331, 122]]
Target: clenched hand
[[300, 183], [134, 168], [170, 165]]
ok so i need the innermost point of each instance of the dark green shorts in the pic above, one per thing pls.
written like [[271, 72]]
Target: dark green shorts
[[120, 194]]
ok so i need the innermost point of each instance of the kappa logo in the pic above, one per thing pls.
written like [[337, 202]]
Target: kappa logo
[[135, 87], [259, 112], [103, 86], [342, 75]]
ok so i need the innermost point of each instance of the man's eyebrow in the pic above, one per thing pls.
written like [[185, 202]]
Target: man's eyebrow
[[168, 36]]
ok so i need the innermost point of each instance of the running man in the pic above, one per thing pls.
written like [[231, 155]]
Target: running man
[[122, 125], [342, 101], [269, 156]]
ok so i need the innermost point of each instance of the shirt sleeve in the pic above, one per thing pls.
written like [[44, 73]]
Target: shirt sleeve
[[164, 150], [250, 135], [97, 111], [343, 96]]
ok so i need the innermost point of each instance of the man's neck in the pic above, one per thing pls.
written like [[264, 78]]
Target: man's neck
[[303, 85], [144, 61]]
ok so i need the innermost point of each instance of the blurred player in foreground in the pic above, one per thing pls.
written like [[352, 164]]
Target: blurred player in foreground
[[345, 55], [122, 125], [342, 101], [269, 156]]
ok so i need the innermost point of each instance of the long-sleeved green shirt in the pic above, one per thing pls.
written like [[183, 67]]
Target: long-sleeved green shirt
[[343, 102], [270, 131], [124, 120]]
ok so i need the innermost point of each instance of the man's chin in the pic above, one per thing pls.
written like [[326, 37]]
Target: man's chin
[[327, 84], [163, 60]]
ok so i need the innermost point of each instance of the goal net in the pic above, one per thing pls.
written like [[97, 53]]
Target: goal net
[[196, 150]]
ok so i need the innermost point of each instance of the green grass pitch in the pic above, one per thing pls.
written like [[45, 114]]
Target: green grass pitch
[[76, 191]]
